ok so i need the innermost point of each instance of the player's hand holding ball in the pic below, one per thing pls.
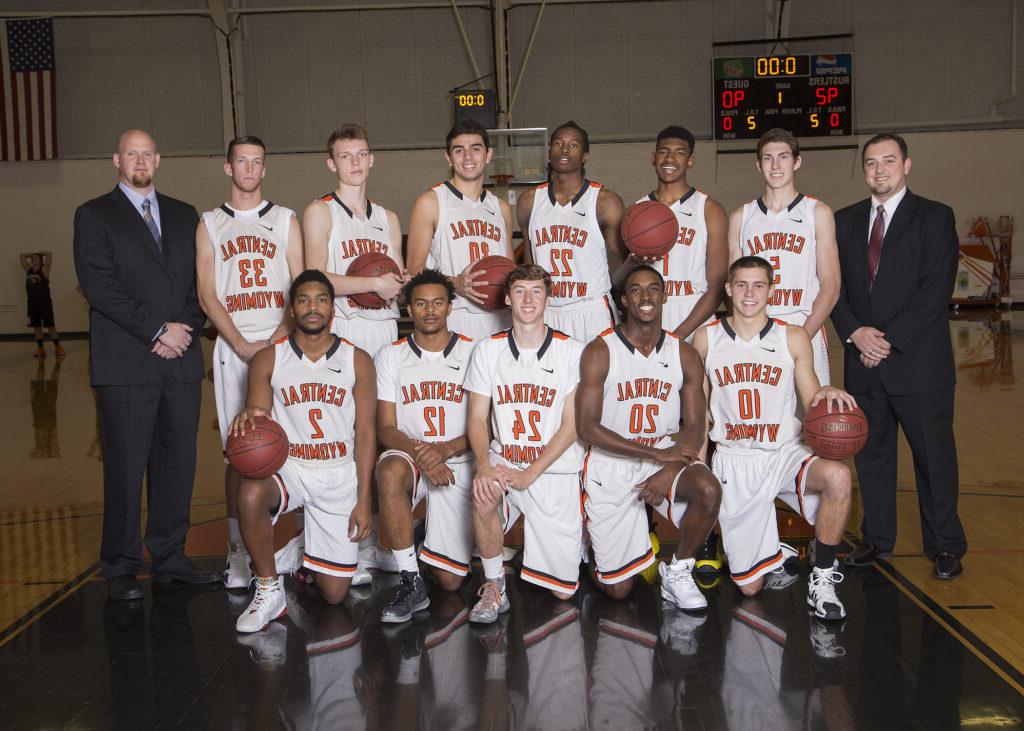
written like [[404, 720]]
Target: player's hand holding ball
[[246, 419], [835, 434], [834, 397]]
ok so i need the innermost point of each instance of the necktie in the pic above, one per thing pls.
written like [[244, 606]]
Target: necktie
[[875, 245], [147, 216]]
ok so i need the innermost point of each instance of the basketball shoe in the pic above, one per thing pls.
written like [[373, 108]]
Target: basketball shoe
[[821, 593], [677, 585], [237, 574], [493, 601], [824, 638], [679, 629], [709, 556], [410, 598], [267, 649], [787, 573], [289, 559], [267, 604]]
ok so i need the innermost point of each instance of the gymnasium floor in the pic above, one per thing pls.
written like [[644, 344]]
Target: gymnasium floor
[[913, 653]]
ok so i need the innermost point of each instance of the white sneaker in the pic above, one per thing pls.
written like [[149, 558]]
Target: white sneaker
[[267, 649], [361, 576], [375, 557], [237, 574], [267, 605], [679, 630], [678, 587], [493, 602], [821, 593], [289, 559]]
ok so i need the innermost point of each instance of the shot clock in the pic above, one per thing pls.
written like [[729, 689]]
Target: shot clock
[[810, 95], [480, 105]]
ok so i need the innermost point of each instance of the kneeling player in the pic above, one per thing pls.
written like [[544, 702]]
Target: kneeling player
[[758, 367], [421, 421], [633, 379], [321, 389], [521, 383]]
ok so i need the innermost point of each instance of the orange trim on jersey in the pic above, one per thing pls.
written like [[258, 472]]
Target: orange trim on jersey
[[714, 322], [464, 339], [672, 335], [345, 340], [399, 341], [542, 186], [283, 508], [326, 197], [768, 564], [596, 185], [609, 331], [281, 339], [499, 336], [549, 579], [559, 335], [649, 555], [777, 321]]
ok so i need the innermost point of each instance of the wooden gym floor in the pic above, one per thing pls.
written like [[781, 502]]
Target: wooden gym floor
[[50, 522]]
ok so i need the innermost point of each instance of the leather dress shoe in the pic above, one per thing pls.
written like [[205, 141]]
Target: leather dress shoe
[[188, 573], [947, 566], [865, 554], [124, 588]]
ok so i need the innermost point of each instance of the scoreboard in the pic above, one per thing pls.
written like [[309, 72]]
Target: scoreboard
[[480, 106], [810, 95]]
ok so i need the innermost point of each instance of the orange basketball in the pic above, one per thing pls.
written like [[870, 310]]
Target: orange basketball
[[370, 264], [259, 452], [649, 228], [836, 435], [495, 270]]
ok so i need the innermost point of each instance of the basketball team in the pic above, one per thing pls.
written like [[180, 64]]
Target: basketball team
[[591, 399]]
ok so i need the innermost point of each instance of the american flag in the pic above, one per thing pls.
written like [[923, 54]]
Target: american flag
[[28, 92]]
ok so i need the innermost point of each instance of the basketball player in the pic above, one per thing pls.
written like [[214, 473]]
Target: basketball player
[[456, 223], [758, 367], [247, 252], [322, 390], [40, 304], [694, 269], [342, 225], [421, 422], [572, 226], [521, 383], [797, 235], [636, 381]]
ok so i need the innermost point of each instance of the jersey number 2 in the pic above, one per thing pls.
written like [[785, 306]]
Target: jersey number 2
[[315, 415]]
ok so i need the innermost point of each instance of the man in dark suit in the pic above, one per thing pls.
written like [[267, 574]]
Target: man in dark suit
[[898, 254], [135, 259]]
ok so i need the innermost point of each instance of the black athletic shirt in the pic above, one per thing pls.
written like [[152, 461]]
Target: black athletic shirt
[[37, 286]]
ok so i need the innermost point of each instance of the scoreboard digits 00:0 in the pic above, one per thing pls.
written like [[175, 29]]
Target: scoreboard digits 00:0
[[809, 94]]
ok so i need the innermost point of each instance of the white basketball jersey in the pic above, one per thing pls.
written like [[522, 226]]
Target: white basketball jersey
[[641, 392], [786, 240], [314, 402], [467, 231], [567, 241], [352, 236], [684, 266], [753, 389], [527, 391], [426, 388], [251, 265]]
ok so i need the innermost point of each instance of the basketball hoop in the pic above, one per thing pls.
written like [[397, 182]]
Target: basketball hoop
[[502, 181]]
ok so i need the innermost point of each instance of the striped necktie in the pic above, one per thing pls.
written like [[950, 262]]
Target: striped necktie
[[147, 216]]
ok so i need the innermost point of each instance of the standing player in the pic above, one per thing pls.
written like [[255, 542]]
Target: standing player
[[456, 223], [694, 269], [247, 252], [322, 390], [573, 229], [758, 368], [636, 381], [343, 224], [421, 421], [521, 383], [40, 304], [797, 235]]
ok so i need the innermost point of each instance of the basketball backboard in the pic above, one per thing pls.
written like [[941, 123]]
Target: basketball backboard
[[520, 156]]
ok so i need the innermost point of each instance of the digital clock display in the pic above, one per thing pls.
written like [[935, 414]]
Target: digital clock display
[[810, 95], [479, 105]]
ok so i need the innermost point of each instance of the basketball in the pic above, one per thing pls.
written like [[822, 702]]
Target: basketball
[[836, 435], [370, 264], [493, 291], [260, 452], [649, 228]]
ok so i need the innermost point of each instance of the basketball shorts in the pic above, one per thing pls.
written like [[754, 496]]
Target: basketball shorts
[[585, 320], [369, 335], [819, 347], [616, 520], [230, 385], [449, 541], [479, 325], [40, 312], [333, 664], [328, 493], [750, 484], [552, 528], [678, 309]]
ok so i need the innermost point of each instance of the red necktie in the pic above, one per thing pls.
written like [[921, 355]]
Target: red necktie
[[875, 245]]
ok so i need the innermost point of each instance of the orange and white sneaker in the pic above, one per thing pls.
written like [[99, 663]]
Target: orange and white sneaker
[[269, 603]]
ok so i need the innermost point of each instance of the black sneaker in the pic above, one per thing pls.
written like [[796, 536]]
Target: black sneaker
[[709, 556], [410, 598]]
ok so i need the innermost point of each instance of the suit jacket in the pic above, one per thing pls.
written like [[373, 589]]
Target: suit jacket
[[910, 299], [133, 288]]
